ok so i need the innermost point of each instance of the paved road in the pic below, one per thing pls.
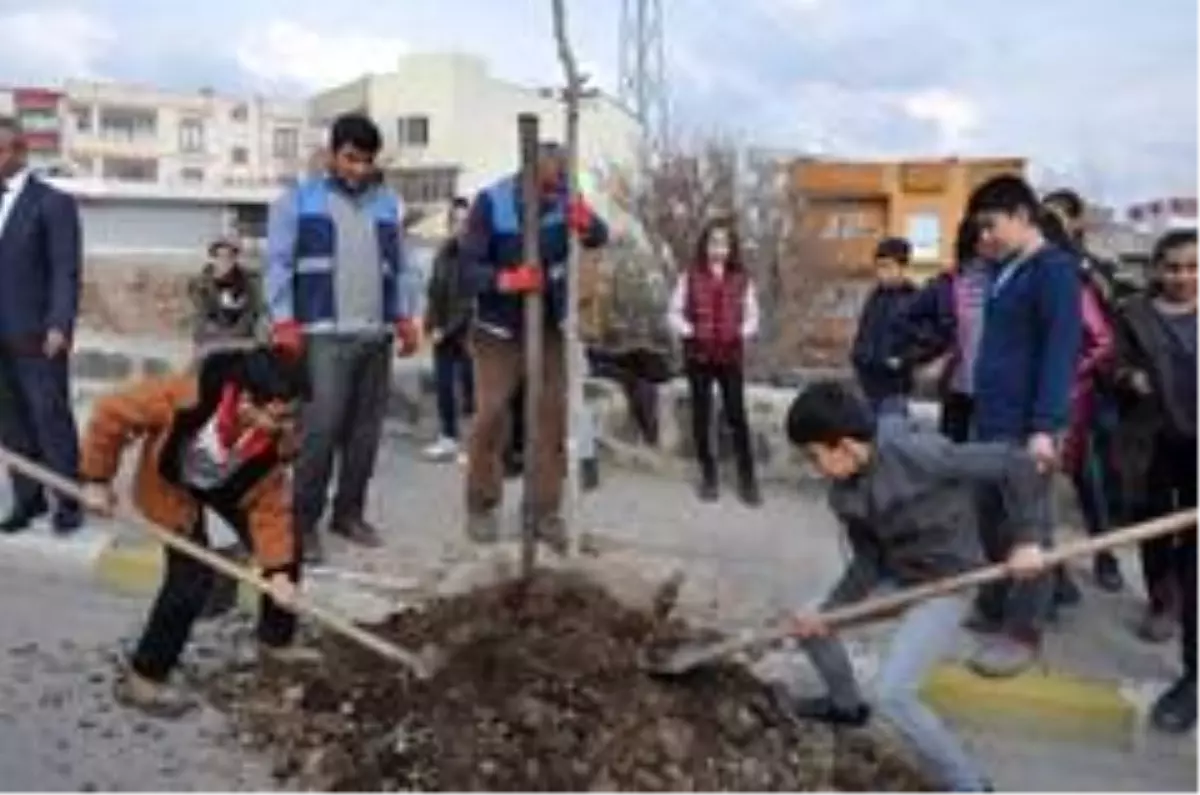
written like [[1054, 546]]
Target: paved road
[[60, 731]]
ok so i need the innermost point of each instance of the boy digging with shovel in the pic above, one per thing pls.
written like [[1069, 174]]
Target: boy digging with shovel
[[908, 501], [221, 439]]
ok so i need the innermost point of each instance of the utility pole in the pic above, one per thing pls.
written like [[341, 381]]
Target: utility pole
[[643, 82]]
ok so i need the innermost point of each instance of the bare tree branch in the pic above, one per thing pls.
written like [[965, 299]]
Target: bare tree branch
[[573, 348]]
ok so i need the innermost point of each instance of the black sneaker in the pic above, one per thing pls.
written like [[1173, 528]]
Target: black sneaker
[[1107, 571], [357, 531], [708, 490], [823, 710], [1066, 592], [750, 494], [313, 549], [1175, 710], [22, 516]]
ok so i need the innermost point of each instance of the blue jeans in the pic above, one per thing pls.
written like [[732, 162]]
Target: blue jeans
[[452, 370], [925, 635], [890, 406]]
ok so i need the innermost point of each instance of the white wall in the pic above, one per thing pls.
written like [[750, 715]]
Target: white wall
[[473, 117]]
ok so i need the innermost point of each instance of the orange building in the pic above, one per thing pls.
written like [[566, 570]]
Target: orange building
[[850, 205]]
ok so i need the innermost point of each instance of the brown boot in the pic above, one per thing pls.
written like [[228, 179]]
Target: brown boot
[[483, 527], [156, 699], [552, 531]]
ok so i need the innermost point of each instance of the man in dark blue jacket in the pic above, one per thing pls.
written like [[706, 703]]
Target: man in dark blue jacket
[[499, 278], [1023, 375], [40, 261], [885, 378]]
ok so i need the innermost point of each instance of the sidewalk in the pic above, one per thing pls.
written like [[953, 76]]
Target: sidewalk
[[743, 567]]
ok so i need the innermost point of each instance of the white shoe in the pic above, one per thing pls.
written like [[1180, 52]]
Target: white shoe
[[443, 449]]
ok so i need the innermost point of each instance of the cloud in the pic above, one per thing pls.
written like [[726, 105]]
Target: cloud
[[48, 43], [955, 116], [1083, 87], [283, 52]]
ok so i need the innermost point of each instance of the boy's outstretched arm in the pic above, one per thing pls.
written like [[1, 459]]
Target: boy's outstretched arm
[[861, 575], [120, 417], [1010, 469], [857, 581]]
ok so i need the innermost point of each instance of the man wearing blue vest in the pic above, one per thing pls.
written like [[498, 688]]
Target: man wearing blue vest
[[334, 288], [499, 278]]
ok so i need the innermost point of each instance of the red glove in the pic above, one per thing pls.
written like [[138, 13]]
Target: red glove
[[522, 279], [408, 337], [287, 337], [579, 215]]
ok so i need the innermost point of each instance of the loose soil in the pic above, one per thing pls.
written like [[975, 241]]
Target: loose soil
[[541, 690]]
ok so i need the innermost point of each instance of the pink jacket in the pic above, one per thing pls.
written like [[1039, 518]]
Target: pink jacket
[[1095, 356]]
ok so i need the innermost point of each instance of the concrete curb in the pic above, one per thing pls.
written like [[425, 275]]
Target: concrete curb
[[1050, 704]]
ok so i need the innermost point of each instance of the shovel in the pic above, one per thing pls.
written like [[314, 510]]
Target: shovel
[[423, 664], [677, 662]]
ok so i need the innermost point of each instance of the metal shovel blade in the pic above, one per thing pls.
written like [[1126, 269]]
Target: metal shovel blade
[[682, 659]]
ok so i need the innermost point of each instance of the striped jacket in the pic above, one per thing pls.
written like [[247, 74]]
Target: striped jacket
[[301, 248]]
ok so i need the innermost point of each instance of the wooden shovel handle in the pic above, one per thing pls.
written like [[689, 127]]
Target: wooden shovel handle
[[869, 610], [300, 605]]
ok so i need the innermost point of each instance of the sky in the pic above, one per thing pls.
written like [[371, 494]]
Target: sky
[[1100, 94]]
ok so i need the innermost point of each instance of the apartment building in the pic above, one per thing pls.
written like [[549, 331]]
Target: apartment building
[[140, 134], [850, 205], [450, 127], [39, 111]]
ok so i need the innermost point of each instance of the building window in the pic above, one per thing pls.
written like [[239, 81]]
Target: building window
[[239, 113], [191, 136], [82, 116], [127, 124], [191, 174], [239, 155], [413, 130], [845, 226], [250, 221], [286, 143], [130, 169], [924, 232], [39, 120], [425, 185]]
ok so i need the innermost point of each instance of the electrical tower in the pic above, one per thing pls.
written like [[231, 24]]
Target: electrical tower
[[643, 87]]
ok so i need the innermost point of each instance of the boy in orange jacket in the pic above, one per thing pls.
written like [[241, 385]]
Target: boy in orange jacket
[[220, 438]]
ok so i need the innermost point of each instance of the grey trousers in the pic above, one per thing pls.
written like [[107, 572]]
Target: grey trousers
[[343, 420], [924, 636], [1020, 607]]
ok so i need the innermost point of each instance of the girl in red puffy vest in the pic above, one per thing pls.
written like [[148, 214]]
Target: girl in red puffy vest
[[714, 311]]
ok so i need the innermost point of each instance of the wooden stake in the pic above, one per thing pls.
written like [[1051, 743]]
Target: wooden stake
[[527, 132]]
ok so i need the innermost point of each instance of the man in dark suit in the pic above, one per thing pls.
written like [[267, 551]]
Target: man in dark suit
[[40, 258]]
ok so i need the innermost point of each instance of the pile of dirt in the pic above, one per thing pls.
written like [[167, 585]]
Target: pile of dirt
[[541, 690]]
